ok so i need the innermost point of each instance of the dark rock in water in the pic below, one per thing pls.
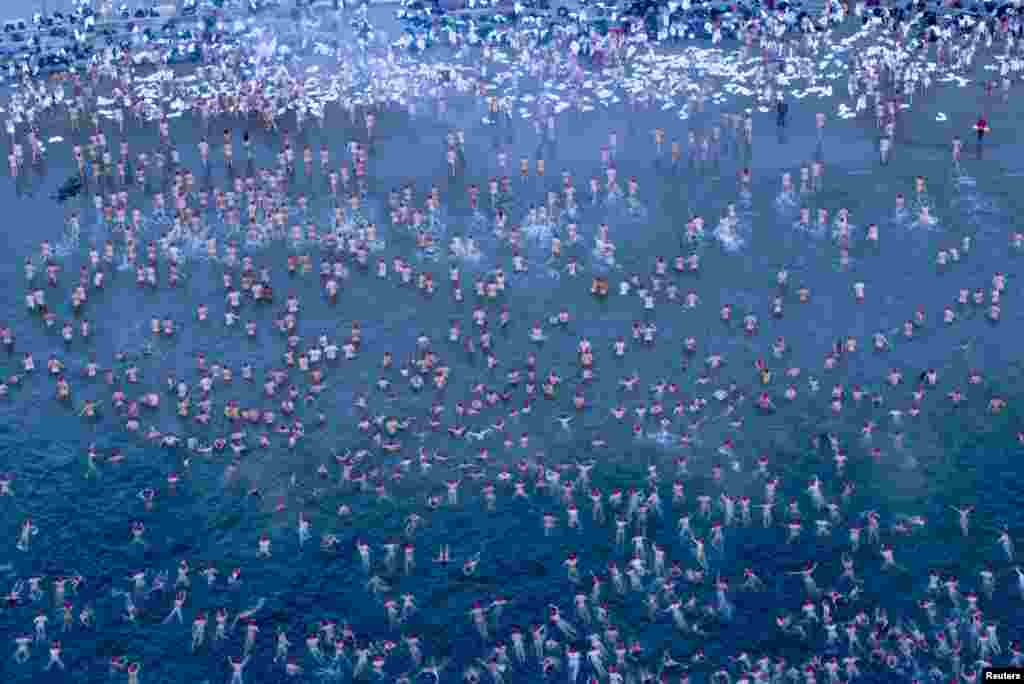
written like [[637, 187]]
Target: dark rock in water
[[71, 187]]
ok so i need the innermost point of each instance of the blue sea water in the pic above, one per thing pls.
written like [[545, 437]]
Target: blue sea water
[[951, 457]]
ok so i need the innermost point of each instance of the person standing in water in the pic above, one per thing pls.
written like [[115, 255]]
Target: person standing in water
[[981, 128], [781, 110]]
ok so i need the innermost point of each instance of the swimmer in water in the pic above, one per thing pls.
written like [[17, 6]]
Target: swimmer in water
[[964, 518]]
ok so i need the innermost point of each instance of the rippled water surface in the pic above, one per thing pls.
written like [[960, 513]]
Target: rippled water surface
[[951, 455]]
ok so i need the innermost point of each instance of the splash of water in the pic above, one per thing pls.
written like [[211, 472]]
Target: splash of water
[[465, 250], [812, 229], [331, 672], [604, 254], [538, 232], [69, 243], [728, 236], [786, 201]]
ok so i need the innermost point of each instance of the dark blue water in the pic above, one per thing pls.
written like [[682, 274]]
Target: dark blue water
[[951, 455]]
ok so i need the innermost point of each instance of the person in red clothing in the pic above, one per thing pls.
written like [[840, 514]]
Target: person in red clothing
[[981, 128]]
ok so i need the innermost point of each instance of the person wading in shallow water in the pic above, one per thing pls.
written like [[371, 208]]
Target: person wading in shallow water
[[981, 128]]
